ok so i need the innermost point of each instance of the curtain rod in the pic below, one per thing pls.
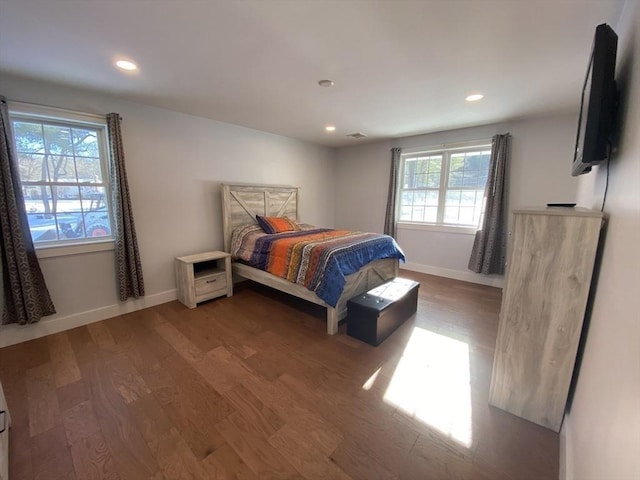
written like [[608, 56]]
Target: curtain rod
[[37, 106]]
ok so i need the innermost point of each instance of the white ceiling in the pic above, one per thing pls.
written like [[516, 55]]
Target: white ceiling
[[400, 67]]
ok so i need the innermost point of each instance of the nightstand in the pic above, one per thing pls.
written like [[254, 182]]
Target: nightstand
[[203, 276]]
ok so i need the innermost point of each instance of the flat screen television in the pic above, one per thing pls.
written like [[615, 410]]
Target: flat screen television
[[598, 103]]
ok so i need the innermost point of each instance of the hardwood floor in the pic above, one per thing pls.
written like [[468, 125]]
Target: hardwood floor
[[252, 387]]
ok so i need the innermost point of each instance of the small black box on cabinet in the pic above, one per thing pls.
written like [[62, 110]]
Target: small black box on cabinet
[[373, 316]]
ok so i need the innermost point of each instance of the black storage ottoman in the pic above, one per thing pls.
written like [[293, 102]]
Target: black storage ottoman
[[373, 316]]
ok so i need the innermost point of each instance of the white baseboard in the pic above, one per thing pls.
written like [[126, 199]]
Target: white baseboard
[[12, 334], [490, 280], [566, 459]]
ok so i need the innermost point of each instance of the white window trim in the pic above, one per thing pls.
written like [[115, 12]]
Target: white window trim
[[49, 251], [483, 143], [437, 227], [69, 117], [53, 113], [449, 147]]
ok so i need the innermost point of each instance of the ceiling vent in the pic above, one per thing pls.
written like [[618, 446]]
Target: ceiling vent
[[357, 135]]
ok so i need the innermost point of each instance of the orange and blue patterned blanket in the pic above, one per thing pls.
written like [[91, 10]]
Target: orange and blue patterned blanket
[[317, 258]]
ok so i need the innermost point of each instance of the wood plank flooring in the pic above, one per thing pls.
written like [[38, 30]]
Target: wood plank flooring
[[252, 387]]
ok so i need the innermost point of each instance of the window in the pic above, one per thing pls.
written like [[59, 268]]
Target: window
[[444, 187], [63, 172]]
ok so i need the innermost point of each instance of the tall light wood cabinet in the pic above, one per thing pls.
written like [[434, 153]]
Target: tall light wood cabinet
[[547, 283]]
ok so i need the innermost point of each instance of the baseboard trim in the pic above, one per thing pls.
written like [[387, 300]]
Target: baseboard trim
[[12, 334], [490, 280], [566, 459]]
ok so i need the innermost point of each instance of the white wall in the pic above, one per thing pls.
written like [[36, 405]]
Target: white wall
[[601, 433], [175, 164], [542, 150]]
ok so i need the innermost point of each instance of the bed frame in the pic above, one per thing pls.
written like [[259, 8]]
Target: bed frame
[[241, 203]]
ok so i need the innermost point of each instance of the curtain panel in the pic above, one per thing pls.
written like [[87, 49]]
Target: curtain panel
[[128, 265], [490, 244], [26, 297], [390, 221]]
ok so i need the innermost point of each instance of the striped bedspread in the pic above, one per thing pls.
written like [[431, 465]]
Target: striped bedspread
[[317, 258]]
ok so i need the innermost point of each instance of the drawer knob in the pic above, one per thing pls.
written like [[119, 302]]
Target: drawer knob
[[4, 420], [212, 281]]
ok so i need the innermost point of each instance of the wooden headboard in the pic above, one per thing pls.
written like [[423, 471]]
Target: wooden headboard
[[241, 203]]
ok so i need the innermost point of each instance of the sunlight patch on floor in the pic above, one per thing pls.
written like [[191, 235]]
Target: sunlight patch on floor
[[431, 383], [372, 379]]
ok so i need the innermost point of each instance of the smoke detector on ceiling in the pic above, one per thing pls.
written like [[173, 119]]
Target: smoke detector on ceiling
[[357, 135], [326, 83]]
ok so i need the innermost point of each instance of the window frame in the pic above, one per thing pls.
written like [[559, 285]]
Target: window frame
[[445, 150], [71, 119]]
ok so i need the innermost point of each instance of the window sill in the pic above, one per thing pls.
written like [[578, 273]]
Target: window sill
[[432, 227], [50, 251]]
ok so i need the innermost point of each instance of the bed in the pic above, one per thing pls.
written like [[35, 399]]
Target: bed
[[242, 202]]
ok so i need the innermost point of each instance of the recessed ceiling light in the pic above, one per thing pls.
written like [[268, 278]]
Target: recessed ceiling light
[[126, 65], [326, 83], [330, 128], [475, 97]]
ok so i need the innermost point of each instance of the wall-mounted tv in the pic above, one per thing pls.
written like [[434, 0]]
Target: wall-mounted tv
[[598, 104]]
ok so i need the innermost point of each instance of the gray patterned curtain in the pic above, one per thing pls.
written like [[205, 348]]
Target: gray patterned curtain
[[490, 245], [26, 297], [128, 265], [390, 223]]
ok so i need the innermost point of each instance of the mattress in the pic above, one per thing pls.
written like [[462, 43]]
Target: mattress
[[316, 258]]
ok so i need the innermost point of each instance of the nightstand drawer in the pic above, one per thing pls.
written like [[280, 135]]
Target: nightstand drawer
[[207, 284]]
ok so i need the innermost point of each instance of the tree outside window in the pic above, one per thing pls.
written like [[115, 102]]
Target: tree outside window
[[62, 171], [444, 187]]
